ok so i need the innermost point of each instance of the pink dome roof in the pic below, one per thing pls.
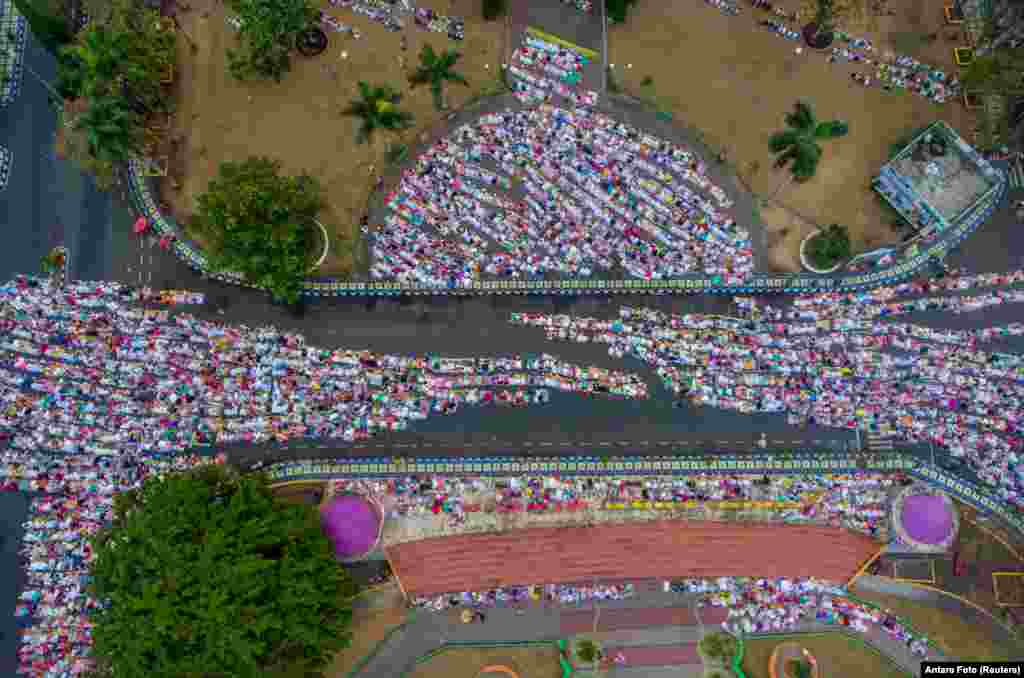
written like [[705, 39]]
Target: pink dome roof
[[352, 524]]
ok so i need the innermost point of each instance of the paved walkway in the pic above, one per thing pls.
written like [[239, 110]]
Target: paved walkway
[[427, 631]]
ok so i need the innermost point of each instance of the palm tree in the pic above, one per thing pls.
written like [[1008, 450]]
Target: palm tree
[[435, 69], [377, 109], [799, 142], [111, 128]]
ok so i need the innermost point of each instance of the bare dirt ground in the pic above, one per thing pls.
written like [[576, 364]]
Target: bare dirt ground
[[526, 662], [736, 81], [370, 625], [298, 121]]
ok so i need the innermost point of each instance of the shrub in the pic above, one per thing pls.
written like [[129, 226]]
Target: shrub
[[829, 247], [587, 650], [268, 32], [617, 9], [719, 646], [494, 9]]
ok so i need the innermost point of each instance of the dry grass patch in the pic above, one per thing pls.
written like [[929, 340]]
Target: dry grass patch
[[299, 121], [838, 655], [735, 82], [528, 662]]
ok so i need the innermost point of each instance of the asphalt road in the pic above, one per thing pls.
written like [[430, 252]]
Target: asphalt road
[[48, 201]]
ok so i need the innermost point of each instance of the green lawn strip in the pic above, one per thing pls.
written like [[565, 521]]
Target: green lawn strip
[[838, 655]]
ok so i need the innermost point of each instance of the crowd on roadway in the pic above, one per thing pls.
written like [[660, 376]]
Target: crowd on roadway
[[540, 69], [759, 605], [841, 367], [82, 371], [73, 497], [857, 501], [598, 196]]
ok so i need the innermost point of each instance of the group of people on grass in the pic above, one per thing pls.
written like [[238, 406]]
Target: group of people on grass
[[758, 605], [597, 196], [565, 594], [891, 71], [840, 363]]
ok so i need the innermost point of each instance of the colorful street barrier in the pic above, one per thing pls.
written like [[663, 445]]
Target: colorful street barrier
[[900, 271]]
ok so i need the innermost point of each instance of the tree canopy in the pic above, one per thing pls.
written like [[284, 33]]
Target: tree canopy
[[829, 247], [376, 107], [999, 71], [206, 574], [269, 30], [799, 143], [436, 69], [260, 223], [852, 16], [47, 21], [617, 9]]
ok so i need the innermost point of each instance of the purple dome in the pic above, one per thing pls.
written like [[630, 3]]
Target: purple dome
[[352, 523], [926, 518]]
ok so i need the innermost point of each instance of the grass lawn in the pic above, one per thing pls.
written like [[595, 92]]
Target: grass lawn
[[528, 662], [735, 82], [955, 636], [298, 121], [838, 656]]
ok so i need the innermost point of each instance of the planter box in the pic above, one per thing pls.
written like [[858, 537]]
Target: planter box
[[155, 167], [954, 16], [807, 263], [963, 56], [972, 100]]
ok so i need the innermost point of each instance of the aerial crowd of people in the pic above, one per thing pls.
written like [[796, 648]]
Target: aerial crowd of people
[[599, 196], [855, 501], [82, 371], [836, 362]]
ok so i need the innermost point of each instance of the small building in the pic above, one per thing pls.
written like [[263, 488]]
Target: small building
[[938, 181]]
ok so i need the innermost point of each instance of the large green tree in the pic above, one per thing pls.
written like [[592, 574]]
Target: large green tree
[[206, 574], [435, 70], [260, 223], [617, 9], [1000, 71], [376, 107], [799, 143], [112, 130], [126, 56], [268, 33], [47, 22]]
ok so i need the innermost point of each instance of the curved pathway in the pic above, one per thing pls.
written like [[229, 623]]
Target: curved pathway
[[647, 619]]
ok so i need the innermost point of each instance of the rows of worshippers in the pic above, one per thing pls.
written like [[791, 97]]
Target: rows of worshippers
[[891, 71], [81, 370], [52, 608], [856, 501], [910, 382], [540, 69], [771, 605], [599, 195], [512, 595], [825, 305]]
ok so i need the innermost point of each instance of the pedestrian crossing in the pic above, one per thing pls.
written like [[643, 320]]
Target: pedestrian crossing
[[1016, 172], [879, 443]]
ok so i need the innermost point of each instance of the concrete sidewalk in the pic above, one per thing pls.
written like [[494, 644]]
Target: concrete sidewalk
[[427, 631]]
